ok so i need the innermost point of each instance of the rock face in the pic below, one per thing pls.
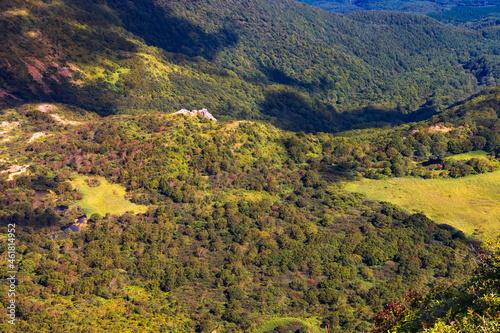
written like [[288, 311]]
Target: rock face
[[203, 112]]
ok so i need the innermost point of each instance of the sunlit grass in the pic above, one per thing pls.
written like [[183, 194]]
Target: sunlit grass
[[105, 198], [270, 325], [467, 156], [469, 204], [114, 77]]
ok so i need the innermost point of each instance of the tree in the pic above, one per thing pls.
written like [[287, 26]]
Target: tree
[[95, 217]]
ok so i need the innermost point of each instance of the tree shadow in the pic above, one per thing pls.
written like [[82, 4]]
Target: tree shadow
[[452, 233], [275, 75], [368, 117]]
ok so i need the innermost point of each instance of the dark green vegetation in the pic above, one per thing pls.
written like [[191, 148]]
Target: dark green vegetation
[[281, 61], [481, 16], [456, 10], [246, 222], [464, 14]]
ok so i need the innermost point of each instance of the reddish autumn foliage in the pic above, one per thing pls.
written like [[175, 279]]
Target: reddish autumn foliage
[[386, 318]]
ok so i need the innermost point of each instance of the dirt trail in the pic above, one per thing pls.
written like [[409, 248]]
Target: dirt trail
[[49, 107], [16, 170], [36, 136], [64, 122]]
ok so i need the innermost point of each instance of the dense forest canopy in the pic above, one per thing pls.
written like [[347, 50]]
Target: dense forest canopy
[[245, 222], [486, 7]]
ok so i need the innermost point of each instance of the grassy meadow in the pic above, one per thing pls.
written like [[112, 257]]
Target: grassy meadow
[[470, 204], [104, 198]]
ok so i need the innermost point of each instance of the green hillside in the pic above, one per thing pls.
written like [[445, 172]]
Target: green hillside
[[246, 224], [279, 61], [471, 306], [247, 227]]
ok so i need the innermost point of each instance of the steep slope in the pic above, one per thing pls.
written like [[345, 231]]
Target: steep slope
[[58, 51], [277, 60], [469, 307]]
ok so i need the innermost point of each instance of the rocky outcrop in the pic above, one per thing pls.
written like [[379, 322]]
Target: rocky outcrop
[[203, 112], [438, 128], [46, 107]]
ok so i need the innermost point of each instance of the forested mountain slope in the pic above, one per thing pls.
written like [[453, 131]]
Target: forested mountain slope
[[245, 223], [413, 6], [277, 60], [471, 306]]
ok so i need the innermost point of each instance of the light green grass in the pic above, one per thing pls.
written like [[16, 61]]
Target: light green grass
[[467, 156], [105, 198], [272, 324], [248, 195], [467, 203]]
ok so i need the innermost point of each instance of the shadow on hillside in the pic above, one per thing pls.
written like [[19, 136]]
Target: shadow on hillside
[[101, 39], [159, 28], [293, 111], [449, 233], [275, 75], [296, 112], [35, 219]]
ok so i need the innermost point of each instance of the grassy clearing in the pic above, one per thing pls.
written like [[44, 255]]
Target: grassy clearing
[[105, 198], [467, 156], [270, 325], [248, 195], [469, 204]]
